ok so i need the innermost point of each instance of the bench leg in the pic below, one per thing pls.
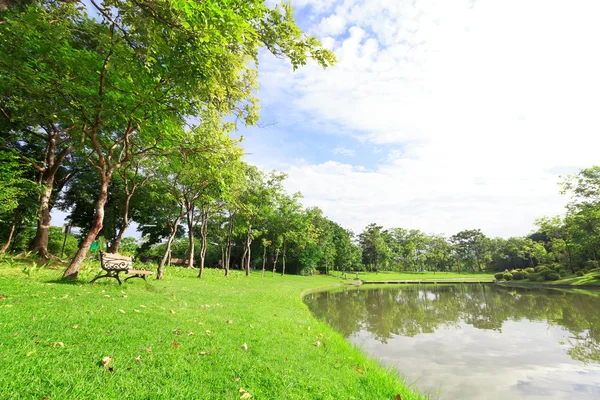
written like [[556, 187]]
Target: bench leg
[[136, 276], [108, 275]]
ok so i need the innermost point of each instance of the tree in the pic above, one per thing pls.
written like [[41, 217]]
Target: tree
[[36, 56], [375, 251], [472, 246], [16, 191]]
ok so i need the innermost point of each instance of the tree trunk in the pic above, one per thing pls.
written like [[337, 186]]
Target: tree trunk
[[247, 250], [228, 245], [283, 260], [10, 234], [204, 233], [40, 242], [570, 260], [52, 162], [190, 224], [167, 255], [249, 258], [114, 246], [275, 262], [73, 269], [264, 260]]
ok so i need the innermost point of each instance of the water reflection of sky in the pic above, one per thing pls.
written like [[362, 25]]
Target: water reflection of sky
[[525, 360], [476, 343]]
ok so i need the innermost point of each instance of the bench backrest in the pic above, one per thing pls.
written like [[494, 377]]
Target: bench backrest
[[115, 262]]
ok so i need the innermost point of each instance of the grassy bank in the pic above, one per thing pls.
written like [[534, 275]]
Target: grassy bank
[[183, 337], [418, 276], [589, 279]]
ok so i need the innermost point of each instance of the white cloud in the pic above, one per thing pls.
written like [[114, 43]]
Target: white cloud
[[344, 151], [485, 103], [332, 25]]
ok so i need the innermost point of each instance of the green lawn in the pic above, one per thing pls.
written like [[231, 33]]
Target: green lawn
[[418, 276], [178, 338], [591, 278]]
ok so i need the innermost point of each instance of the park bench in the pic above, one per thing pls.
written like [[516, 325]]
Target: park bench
[[114, 264]]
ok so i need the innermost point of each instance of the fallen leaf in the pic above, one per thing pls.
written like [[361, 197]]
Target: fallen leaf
[[2, 297], [106, 361], [191, 334], [58, 344], [30, 353], [113, 299], [75, 327], [122, 292], [237, 379], [208, 331], [245, 346], [317, 343], [230, 322], [138, 359], [107, 295], [244, 394], [33, 318], [143, 306], [250, 326], [172, 312], [136, 310], [122, 311], [149, 350], [175, 344], [359, 371], [125, 296], [204, 353], [108, 332], [308, 328], [177, 332]]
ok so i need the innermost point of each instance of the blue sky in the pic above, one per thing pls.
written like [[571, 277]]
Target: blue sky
[[440, 115]]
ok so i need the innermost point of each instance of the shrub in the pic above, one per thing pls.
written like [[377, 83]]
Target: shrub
[[507, 276], [580, 273], [308, 270], [542, 268], [555, 266], [517, 275], [499, 276], [590, 265], [536, 277], [552, 276], [529, 270]]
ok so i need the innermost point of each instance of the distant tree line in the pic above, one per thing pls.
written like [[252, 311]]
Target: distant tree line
[[570, 242]]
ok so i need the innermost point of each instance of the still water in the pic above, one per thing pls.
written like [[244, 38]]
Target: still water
[[475, 341]]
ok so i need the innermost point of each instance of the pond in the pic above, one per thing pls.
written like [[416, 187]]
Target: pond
[[475, 341]]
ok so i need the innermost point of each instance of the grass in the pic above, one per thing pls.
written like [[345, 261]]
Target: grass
[[178, 338], [418, 276], [591, 279]]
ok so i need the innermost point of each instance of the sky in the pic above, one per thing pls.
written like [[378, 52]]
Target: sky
[[439, 115]]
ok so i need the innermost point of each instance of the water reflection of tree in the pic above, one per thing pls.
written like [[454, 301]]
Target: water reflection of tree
[[411, 310]]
